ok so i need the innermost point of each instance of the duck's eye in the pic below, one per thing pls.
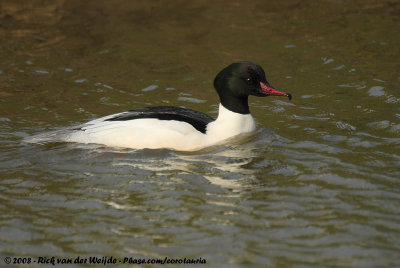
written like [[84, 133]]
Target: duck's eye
[[249, 81]]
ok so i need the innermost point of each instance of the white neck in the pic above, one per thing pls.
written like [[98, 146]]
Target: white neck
[[229, 124]]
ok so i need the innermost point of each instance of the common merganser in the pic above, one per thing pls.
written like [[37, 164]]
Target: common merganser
[[175, 127]]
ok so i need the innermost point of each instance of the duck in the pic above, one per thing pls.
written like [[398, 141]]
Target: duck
[[178, 128]]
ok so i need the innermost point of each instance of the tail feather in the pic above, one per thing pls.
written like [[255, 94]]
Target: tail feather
[[50, 137]]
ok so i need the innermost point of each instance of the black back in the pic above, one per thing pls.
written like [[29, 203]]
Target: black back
[[197, 119]]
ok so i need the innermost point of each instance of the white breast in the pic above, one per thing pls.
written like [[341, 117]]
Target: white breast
[[229, 124]]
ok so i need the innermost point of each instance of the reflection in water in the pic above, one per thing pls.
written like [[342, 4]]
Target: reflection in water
[[220, 165]]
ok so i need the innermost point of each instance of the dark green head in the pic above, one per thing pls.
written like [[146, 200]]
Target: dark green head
[[239, 80]]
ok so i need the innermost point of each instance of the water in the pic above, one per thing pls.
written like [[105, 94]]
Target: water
[[316, 186]]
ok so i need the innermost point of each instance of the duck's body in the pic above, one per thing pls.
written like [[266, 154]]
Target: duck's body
[[175, 127]]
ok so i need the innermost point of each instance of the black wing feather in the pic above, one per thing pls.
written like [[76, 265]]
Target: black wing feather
[[197, 119]]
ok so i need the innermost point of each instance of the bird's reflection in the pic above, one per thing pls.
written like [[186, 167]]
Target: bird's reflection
[[224, 165]]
